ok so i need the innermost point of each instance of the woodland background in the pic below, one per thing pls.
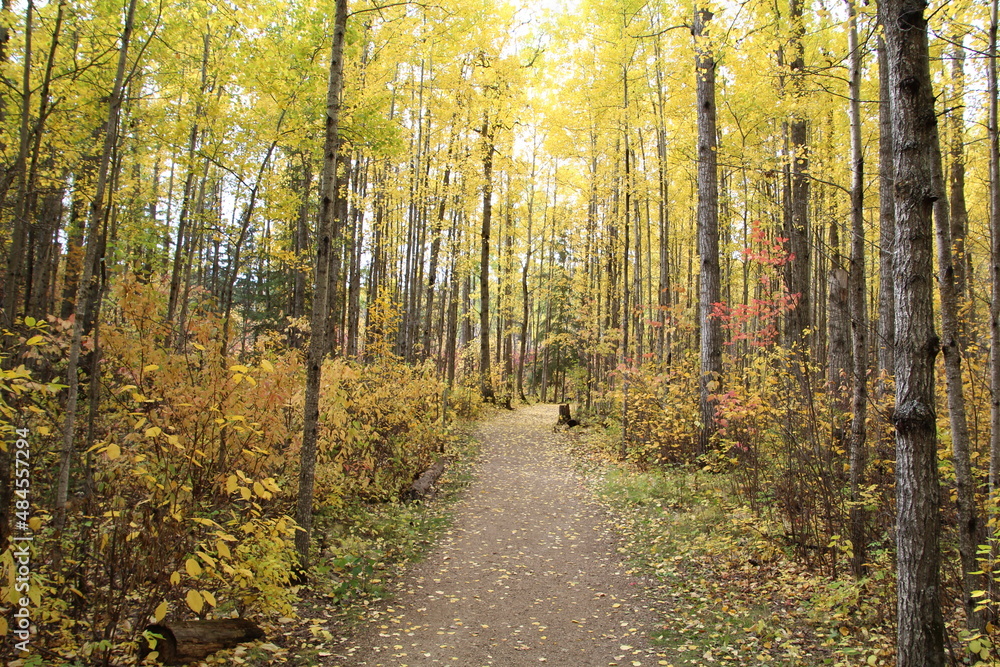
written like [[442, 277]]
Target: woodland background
[[515, 203]]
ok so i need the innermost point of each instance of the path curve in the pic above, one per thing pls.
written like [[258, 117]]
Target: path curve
[[528, 574]]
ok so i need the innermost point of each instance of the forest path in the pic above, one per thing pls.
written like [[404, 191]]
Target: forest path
[[529, 572]]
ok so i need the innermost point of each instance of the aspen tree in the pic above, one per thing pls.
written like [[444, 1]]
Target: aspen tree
[[920, 634], [320, 312]]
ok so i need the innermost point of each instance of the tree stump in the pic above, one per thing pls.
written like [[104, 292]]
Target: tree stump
[[564, 416], [188, 641]]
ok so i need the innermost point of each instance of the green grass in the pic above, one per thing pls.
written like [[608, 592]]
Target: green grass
[[725, 590]]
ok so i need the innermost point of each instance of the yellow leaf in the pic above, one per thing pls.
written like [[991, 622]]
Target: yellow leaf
[[153, 431], [174, 440], [232, 484], [175, 578], [200, 348], [161, 611], [150, 368], [249, 378], [35, 523], [193, 567], [266, 365], [239, 368], [35, 340], [3, 626], [209, 598], [259, 490], [114, 451], [245, 492], [195, 601], [223, 549]]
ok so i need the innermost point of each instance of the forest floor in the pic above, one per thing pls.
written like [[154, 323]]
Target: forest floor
[[546, 549], [530, 571]]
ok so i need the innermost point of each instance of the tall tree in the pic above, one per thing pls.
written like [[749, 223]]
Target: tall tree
[[320, 306], [488, 134], [994, 161], [858, 302], [708, 226], [920, 638], [797, 214], [970, 534], [85, 304]]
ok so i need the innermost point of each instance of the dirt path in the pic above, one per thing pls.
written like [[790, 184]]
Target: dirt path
[[528, 574]]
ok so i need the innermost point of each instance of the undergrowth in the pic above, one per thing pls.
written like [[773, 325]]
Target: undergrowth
[[363, 548], [728, 588]]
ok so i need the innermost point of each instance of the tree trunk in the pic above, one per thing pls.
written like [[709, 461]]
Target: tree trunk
[[798, 230], [970, 533], [959, 212], [886, 343], [859, 314], [14, 276], [184, 642], [708, 229], [83, 301], [485, 383], [317, 341], [525, 297], [994, 142], [437, 231], [182, 232], [838, 322], [920, 638]]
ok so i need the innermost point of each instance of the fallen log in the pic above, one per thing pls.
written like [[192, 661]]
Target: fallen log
[[181, 642], [421, 486]]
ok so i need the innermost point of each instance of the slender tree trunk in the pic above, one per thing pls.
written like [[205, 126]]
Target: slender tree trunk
[[859, 314], [353, 313], [994, 143], [485, 383], [525, 297], [970, 533], [798, 231], [920, 638], [886, 343], [182, 233], [838, 322], [959, 211], [83, 302], [14, 276], [436, 232], [324, 241], [300, 234], [663, 299], [708, 229]]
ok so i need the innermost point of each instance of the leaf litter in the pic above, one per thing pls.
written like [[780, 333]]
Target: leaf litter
[[531, 571]]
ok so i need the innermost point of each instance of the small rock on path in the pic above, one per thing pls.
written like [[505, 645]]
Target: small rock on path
[[529, 573]]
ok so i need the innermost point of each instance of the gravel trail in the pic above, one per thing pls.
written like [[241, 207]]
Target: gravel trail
[[529, 573]]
